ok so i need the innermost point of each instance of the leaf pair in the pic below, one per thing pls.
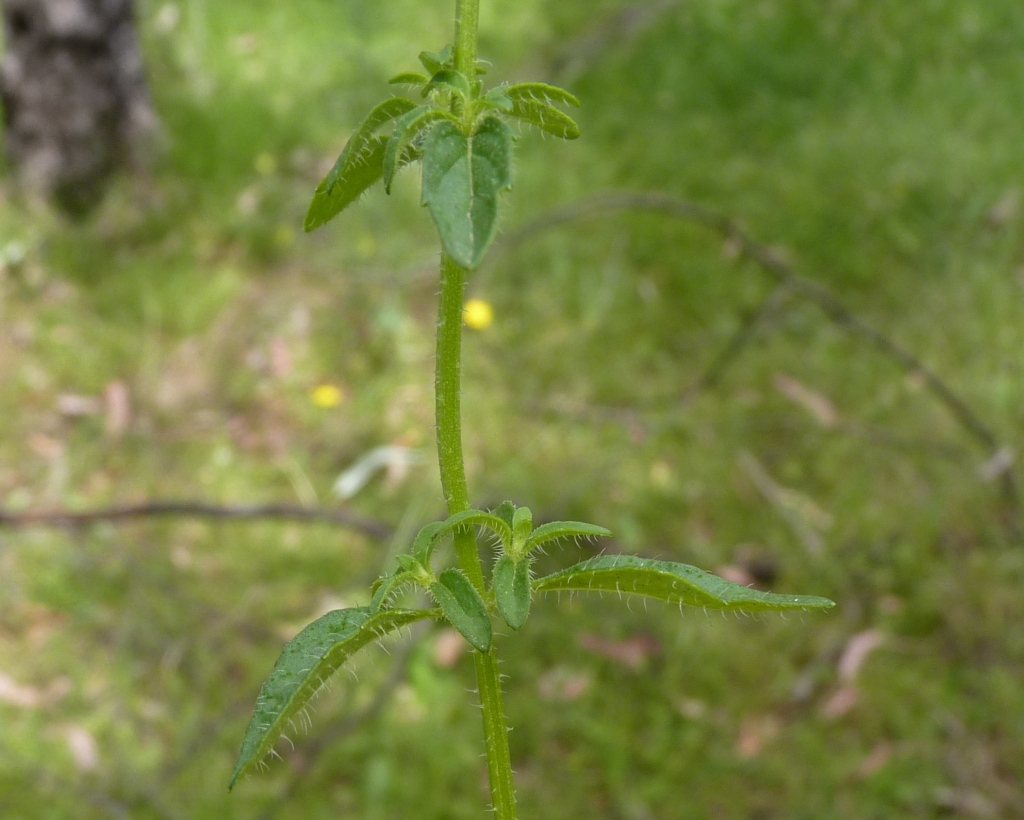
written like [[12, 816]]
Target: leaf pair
[[510, 580], [534, 103], [360, 165], [321, 648]]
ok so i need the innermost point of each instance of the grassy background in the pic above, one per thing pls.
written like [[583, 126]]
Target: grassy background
[[878, 142]]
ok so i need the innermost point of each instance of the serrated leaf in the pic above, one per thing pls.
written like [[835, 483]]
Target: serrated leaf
[[364, 169], [511, 584], [381, 114], [360, 165], [462, 178], [306, 662], [463, 607], [564, 529], [408, 128], [675, 583], [450, 79], [409, 78], [434, 61], [542, 93], [546, 117]]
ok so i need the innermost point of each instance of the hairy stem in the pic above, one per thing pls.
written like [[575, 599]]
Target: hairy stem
[[453, 481], [499, 761], [467, 19], [448, 405]]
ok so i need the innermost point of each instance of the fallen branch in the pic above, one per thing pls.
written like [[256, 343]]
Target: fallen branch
[[198, 509], [773, 262]]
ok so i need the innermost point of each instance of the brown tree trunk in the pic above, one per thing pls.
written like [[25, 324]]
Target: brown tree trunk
[[74, 95]]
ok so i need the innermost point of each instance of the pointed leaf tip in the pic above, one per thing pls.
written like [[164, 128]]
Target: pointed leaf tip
[[306, 662], [675, 583], [360, 165]]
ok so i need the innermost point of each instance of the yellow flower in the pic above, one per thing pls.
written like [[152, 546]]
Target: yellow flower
[[327, 396], [478, 314]]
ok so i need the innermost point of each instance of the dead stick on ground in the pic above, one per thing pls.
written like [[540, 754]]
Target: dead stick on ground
[[198, 509], [772, 261]]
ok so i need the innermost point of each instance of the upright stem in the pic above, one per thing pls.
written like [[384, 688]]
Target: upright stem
[[467, 20], [448, 400]]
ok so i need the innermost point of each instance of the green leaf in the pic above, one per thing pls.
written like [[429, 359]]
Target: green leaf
[[408, 563], [363, 170], [384, 587], [360, 165], [511, 584], [676, 583], [506, 511], [497, 98], [430, 535], [463, 607], [534, 103], [307, 661], [407, 129], [434, 61], [462, 177], [392, 108], [409, 78], [545, 117], [541, 93], [564, 529], [450, 79], [481, 518], [522, 525], [423, 546]]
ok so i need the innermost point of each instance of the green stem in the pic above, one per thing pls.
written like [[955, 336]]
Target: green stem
[[448, 406], [453, 481], [499, 761], [467, 20]]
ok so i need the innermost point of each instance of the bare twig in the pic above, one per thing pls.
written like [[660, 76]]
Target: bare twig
[[198, 509], [773, 262]]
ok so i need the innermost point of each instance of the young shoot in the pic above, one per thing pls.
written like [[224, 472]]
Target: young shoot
[[460, 132]]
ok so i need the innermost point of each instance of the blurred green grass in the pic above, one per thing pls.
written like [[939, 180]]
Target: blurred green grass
[[877, 142]]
